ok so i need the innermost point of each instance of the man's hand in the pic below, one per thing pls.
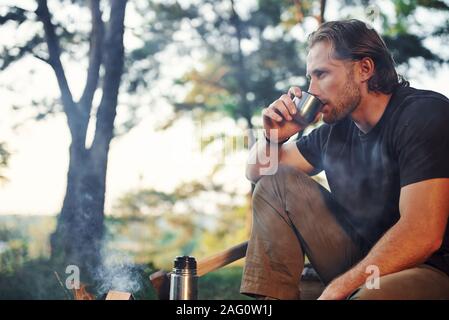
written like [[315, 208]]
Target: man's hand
[[337, 290], [279, 116]]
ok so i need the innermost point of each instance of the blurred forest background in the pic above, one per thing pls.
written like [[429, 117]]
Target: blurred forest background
[[208, 61]]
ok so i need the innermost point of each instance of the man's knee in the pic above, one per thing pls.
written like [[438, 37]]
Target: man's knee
[[410, 284], [385, 289], [363, 293], [283, 176], [276, 193]]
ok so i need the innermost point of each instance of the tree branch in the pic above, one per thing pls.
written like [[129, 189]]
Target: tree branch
[[54, 51], [322, 9], [244, 107], [14, 14], [95, 56], [113, 66], [7, 58], [41, 58]]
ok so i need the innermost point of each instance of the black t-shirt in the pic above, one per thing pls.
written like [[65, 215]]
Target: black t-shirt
[[365, 172]]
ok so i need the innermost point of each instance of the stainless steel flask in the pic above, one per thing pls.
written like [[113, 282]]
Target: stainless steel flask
[[183, 279]]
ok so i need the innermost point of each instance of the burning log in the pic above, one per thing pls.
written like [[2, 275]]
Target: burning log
[[82, 293]]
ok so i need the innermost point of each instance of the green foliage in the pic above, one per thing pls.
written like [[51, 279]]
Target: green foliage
[[398, 32], [21, 276], [237, 82], [27, 276], [157, 226], [405, 8], [157, 240], [234, 81], [232, 227], [34, 279], [411, 44], [222, 284], [14, 254], [23, 239]]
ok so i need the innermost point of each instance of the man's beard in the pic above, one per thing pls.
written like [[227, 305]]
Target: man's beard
[[346, 104]]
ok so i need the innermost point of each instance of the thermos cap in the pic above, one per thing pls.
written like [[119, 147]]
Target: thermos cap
[[185, 262]]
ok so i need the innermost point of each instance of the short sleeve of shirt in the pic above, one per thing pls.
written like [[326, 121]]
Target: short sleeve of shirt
[[422, 141], [312, 146]]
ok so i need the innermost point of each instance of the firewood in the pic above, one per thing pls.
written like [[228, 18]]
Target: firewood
[[119, 295], [64, 289]]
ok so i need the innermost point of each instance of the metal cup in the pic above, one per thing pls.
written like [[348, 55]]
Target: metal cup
[[307, 108]]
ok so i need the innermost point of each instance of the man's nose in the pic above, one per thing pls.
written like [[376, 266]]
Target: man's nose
[[313, 89]]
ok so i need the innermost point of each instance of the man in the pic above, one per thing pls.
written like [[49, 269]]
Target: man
[[384, 147]]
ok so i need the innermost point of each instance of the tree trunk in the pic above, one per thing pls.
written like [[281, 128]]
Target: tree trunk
[[79, 234]]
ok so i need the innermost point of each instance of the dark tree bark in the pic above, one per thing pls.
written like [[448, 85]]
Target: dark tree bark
[[245, 108], [322, 9], [79, 233]]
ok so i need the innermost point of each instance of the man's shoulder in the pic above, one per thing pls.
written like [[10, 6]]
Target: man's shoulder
[[420, 114], [417, 104], [416, 97]]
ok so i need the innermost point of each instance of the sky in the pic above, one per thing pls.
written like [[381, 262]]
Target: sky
[[142, 158]]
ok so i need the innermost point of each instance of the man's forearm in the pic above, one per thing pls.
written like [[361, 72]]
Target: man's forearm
[[262, 156], [400, 248]]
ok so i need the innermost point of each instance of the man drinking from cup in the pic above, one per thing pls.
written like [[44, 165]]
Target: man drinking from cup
[[384, 147]]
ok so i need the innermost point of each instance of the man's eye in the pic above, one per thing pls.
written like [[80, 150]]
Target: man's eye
[[320, 74]]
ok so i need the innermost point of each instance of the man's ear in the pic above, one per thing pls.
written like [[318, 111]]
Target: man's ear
[[366, 68]]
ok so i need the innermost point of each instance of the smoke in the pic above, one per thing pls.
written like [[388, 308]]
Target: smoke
[[118, 272]]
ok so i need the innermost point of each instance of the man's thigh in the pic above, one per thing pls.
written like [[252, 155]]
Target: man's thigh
[[419, 283], [327, 238]]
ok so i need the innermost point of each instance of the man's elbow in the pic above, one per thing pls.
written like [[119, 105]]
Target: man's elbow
[[427, 239], [249, 174], [430, 246], [436, 244]]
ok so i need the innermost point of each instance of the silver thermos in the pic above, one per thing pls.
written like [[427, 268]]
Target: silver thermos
[[183, 279]]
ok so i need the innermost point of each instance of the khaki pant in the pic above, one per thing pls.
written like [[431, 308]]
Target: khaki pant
[[292, 216]]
